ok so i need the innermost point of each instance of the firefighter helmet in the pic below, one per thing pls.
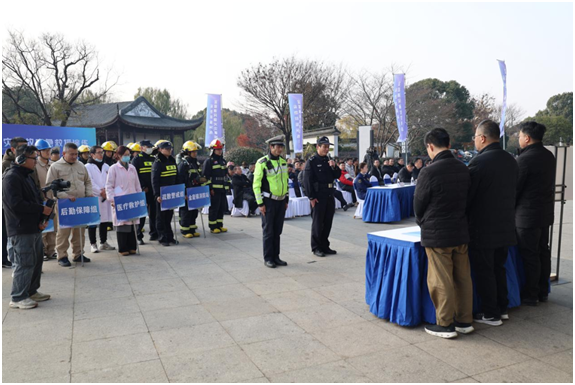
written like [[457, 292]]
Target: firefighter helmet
[[159, 142], [109, 146], [83, 148], [217, 144], [190, 145], [135, 147]]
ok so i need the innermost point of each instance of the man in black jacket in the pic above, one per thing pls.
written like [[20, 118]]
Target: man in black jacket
[[164, 173], [23, 209], [387, 169], [418, 163], [376, 172], [440, 201], [491, 214], [143, 164], [406, 173], [243, 191], [534, 210]]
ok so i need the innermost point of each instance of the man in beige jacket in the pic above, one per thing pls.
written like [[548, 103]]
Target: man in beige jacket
[[70, 169]]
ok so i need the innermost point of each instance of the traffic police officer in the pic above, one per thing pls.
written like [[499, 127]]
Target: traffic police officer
[[271, 191], [319, 175], [215, 171], [164, 173], [189, 171], [143, 164]]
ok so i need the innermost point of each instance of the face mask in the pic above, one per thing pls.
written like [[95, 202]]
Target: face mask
[[98, 160], [149, 151], [126, 158]]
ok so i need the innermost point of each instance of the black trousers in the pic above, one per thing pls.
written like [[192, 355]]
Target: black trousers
[[103, 232], [188, 220], [164, 224], [350, 190], [339, 196], [272, 225], [534, 249], [490, 279], [322, 219], [151, 202], [126, 241], [219, 205]]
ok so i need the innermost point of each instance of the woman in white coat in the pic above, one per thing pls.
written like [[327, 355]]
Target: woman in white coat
[[122, 180], [98, 171]]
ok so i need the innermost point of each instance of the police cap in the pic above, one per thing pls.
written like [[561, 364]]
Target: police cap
[[277, 140], [323, 140], [146, 143], [165, 144]]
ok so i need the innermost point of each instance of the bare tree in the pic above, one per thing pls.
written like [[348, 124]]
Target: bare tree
[[53, 74], [266, 88]]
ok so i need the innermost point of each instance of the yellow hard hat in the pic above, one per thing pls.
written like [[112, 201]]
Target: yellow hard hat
[[129, 145], [135, 147], [160, 141], [190, 145], [109, 146], [83, 148]]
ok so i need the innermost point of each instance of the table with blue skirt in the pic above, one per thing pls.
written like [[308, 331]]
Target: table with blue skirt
[[390, 203], [396, 278]]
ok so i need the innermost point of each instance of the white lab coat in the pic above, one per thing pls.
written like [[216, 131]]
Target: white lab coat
[[98, 183]]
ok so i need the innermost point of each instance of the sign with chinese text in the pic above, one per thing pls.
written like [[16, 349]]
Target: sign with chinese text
[[173, 196], [399, 101], [198, 197], [296, 117], [81, 212], [130, 206], [214, 119], [55, 136]]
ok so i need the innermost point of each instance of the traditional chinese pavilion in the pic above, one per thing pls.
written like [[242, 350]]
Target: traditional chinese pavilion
[[125, 122]]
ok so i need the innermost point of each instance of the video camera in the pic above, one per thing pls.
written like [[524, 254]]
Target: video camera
[[56, 186]]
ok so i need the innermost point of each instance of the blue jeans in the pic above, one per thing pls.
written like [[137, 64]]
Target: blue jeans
[[27, 259]]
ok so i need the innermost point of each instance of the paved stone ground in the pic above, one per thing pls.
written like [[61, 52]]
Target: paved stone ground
[[208, 310]]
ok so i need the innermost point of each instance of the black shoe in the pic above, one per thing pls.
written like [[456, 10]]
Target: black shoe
[[79, 259], [529, 302], [6, 264], [53, 256], [153, 238], [345, 207], [270, 264], [463, 328], [543, 298], [330, 251], [318, 253], [483, 319], [175, 242], [141, 242], [279, 262], [64, 262], [441, 331], [165, 243]]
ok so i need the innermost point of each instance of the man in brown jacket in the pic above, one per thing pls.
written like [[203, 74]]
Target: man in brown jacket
[[69, 169]]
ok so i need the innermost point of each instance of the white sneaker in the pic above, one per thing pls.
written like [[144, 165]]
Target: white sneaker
[[106, 246], [24, 304], [94, 248], [40, 297]]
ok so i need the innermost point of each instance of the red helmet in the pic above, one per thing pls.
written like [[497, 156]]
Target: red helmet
[[216, 144]]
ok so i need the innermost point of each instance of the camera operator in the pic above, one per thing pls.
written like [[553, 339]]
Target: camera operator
[[23, 209], [69, 169]]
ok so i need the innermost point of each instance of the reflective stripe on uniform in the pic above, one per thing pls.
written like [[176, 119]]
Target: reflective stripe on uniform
[[184, 228], [216, 166], [218, 186], [168, 173], [220, 220], [212, 222]]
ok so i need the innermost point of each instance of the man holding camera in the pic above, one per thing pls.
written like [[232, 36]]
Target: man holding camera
[[69, 169], [23, 210]]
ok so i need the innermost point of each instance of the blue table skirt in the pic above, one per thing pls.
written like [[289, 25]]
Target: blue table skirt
[[388, 205], [396, 281]]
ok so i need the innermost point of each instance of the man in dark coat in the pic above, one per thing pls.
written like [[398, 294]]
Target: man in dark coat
[[440, 201], [376, 172], [243, 190], [418, 163], [387, 169], [406, 173], [491, 214], [534, 210]]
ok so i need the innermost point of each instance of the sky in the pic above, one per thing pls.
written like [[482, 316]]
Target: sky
[[199, 48]]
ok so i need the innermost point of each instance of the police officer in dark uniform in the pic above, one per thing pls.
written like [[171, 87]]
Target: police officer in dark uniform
[[189, 171], [215, 171], [143, 164], [271, 188], [319, 175], [164, 173]]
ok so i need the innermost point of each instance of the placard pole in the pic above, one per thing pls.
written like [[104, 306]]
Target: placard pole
[[202, 217], [136, 236]]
